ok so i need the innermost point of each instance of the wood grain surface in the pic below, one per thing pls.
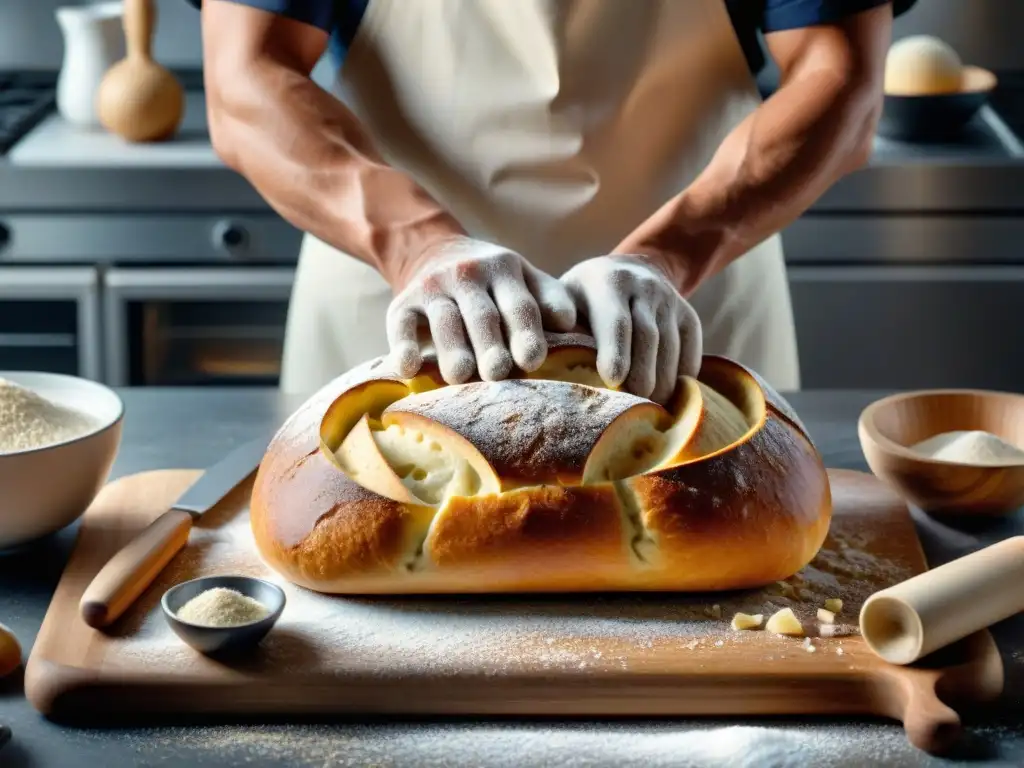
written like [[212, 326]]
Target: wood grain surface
[[615, 655]]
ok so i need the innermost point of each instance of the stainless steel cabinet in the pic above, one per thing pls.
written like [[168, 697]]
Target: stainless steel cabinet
[[910, 327], [50, 320], [196, 326]]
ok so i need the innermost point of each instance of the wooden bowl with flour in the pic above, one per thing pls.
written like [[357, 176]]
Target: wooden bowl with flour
[[949, 451]]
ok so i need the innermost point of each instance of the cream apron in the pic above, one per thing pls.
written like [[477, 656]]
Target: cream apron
[[552, 127]]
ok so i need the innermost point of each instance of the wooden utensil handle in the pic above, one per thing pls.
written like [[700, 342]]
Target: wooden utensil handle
[[139, 20], [127, 574]]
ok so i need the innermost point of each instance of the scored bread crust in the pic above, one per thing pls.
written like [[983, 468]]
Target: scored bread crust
[[735, 510], [531, 431]]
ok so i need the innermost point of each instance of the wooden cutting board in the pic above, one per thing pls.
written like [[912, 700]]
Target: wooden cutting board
[[622, 655]]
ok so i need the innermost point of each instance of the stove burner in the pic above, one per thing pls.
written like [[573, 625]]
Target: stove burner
[[25, 99]]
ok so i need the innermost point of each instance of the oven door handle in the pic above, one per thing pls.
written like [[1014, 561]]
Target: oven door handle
[[199, 283], [48, 340]]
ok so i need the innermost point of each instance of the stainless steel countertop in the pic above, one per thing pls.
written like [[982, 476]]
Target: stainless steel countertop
[[58, 168], [55, 143], [193, 427]]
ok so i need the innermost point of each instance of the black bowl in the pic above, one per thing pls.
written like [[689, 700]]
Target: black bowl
[[935, 117], [223, 640]]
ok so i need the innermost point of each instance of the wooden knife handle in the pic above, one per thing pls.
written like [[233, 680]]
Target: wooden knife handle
[[127, 574]]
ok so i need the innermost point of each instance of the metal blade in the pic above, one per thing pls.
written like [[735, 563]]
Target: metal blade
[[220, 479]]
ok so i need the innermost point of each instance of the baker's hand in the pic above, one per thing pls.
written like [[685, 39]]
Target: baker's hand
[[647, 334], [474, 295]]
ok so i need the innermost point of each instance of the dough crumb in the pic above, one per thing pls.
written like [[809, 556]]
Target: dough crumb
[[743, 621], [809, 646], [785, 622], [834, 605], [826, 616]]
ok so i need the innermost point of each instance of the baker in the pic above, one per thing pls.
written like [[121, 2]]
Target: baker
[[484, 169]]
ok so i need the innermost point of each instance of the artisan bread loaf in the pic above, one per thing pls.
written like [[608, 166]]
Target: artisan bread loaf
[[547, 481]]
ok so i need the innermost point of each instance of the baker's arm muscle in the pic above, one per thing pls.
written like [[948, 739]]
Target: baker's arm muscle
[[817, 127], [302, 149]]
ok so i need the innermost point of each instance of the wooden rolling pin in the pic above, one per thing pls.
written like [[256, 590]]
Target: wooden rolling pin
[[920, 615]]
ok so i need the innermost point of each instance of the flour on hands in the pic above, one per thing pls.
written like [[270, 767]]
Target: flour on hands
[[486, 307], [647, 334]]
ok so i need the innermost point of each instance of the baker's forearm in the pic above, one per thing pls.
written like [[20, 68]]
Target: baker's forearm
[[308, 156], [768, 171], [772, 166]]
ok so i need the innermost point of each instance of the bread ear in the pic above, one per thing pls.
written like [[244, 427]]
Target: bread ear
[[681, 437], [629, 445], [701, 422], [361, 459], [472, 473], [368, 398], [721, 423]]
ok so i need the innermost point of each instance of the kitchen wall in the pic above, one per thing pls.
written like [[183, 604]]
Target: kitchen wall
[[985, 32], [30, 39]]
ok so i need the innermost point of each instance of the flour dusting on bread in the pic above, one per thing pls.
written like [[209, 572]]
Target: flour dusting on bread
[[530, 431]]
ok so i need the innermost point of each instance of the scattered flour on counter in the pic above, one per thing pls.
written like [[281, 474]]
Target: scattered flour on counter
[[651, 744], [28, 420], [321, 634], [970, 447]]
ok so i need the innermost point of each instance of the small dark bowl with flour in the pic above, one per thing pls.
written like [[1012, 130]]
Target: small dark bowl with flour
[[223, 640]]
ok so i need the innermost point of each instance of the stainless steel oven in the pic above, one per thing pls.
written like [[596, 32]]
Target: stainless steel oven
[[50, 320], [196, 326]]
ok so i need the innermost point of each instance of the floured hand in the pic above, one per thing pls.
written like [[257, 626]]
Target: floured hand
[[647, 334], [473, 295]]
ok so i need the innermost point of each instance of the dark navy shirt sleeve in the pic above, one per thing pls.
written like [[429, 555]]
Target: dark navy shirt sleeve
[[753, 17], [340, 18], [795, 14], [318, 13]]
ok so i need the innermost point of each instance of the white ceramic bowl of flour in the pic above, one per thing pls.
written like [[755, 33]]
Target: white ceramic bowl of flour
[[59, 436]]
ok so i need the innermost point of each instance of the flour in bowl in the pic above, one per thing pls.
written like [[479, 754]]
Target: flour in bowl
[[28, 420], [970, 447]]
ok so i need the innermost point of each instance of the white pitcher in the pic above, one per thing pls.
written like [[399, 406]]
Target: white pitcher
[[93, 42]]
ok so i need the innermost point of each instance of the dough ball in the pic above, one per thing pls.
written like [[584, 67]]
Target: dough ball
[[920, 65]]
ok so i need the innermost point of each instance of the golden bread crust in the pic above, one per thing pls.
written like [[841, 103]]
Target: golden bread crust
[[311, 521], [532, 539], [740, 518], [746, 510]]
